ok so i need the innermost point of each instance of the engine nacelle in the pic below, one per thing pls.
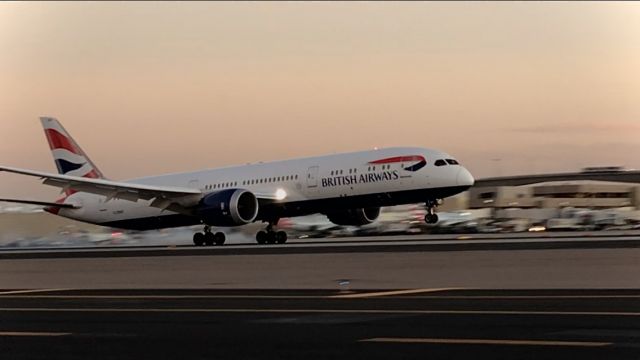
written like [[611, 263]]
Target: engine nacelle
[[232, 207], [354, 217]]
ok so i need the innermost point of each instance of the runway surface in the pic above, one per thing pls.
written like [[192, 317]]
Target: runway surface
[[558, 297], [320, 324], [403, 243], [578, 263]]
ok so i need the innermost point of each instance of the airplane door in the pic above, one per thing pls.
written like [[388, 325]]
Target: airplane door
[[312, 177]]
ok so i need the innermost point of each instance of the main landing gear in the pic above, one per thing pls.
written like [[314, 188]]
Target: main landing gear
[[271, 236], [208, 238], [431, 217]]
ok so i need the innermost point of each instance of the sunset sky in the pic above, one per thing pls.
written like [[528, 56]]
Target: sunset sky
[[148, 88]]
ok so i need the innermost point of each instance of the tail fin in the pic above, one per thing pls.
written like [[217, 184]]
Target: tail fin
[[67, 154]]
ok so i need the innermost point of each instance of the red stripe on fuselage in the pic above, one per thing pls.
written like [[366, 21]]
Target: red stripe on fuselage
[[398, 159], [59, 141]]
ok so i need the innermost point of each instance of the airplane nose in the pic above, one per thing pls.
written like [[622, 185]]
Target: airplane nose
[[465, 178]]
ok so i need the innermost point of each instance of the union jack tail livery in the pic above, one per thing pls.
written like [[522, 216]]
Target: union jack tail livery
[[67, 154]]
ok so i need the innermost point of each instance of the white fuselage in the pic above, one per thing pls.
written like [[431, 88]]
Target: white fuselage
[[355, 178]]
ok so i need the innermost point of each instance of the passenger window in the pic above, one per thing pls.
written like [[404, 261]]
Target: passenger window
[[452, 162], [440, 162]]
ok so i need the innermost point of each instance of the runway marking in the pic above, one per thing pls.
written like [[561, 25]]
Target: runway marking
[[488, 342], [526, 297], [303, 297], [29, 333], [390, 293], [327, 311], [168, 297], [276, 297], [30, 291]]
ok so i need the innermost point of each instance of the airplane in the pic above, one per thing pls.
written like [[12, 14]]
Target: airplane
[[349, 188]]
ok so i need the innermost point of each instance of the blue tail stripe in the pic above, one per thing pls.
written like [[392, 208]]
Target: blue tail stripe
[[65, 166]]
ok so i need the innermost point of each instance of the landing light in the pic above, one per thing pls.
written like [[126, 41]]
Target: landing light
[[281, 194]]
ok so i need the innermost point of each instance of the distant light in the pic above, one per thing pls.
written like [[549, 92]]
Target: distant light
[[281, 194]]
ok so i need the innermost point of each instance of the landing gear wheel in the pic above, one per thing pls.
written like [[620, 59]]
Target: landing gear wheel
[[271, 237], [281, 237], [431, 218], [261, 237], [198, 239], [219, 238], [208, 238]]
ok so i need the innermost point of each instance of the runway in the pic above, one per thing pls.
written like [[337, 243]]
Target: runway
[[404, 243], [543, 263], [319, 324], [558, 297]]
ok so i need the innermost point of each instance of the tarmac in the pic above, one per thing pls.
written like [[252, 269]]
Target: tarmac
[[551, 298], [320, 324]]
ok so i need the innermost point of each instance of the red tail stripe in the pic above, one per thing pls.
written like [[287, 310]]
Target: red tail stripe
[[59, 141], [398, 159], [93, 174]]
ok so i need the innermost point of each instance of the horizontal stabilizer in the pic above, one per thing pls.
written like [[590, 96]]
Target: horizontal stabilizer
[[41, 203]]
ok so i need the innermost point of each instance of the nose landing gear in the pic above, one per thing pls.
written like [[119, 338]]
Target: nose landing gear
[[208, 238], [431, 217], [270, 236]]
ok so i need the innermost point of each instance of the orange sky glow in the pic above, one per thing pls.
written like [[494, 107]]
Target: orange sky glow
[[149, 88]]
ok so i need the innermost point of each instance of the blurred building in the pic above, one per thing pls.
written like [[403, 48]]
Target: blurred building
[[580, 194], [454, 203]]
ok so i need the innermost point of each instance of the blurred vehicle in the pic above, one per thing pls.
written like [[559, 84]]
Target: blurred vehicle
[[310, 226], [560, 224]]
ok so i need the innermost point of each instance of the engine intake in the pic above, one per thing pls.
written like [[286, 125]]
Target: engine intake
[[356, 217], [232, 207]]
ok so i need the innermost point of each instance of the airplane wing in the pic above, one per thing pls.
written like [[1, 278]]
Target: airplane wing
[[41, 203], [177, 199], [165, 197]]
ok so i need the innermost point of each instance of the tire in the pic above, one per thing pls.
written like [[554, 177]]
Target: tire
[[198, 239], [431, 218], [219, 238], [209, 238], [271, 237], [281, 237], [261, 237]]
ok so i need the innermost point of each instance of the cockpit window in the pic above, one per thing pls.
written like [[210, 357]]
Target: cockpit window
[[440, 162], [452, 162]]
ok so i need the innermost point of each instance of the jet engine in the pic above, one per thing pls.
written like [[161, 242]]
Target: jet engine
[[355, 217], [231, 207]]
